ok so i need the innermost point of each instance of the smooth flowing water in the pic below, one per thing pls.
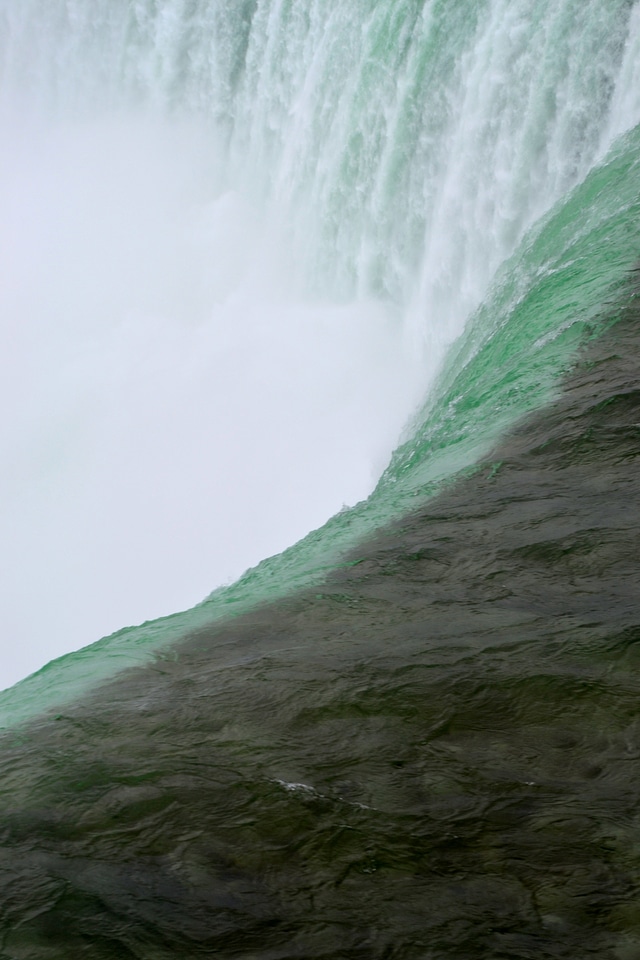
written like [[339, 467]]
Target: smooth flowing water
[[395, 244]]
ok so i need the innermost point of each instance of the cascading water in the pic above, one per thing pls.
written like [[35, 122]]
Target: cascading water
[[238, 239]]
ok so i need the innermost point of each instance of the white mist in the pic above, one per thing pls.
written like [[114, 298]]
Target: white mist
[[169, 413]]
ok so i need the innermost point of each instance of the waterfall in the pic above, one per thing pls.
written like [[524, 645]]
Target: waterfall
[[239, 242], [319, 325]]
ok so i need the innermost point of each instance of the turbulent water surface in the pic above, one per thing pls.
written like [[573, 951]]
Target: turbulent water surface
[[414, 733]]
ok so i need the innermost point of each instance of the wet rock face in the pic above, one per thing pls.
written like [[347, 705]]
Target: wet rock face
[[435, 755]]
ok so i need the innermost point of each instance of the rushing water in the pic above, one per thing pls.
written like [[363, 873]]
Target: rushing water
[[412, 734]]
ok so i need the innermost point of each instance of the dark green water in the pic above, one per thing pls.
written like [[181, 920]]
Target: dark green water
[[434, 755]]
